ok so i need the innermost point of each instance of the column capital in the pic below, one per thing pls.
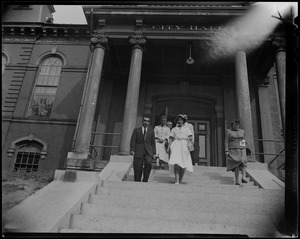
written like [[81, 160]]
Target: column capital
[[137, 40], [99, 40], [279, 41]]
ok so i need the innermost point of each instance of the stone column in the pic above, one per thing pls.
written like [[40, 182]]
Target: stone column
[[79, 157], [220, 135], [280, 59], [266, 122], [243, 100], [132, 97]]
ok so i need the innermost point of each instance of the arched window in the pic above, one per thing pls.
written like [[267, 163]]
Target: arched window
[[26, 153], [4, 61], [28, 156], [45, 87]]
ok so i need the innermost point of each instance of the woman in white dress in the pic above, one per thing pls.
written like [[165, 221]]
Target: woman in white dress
[[162, 133], [180, 155]]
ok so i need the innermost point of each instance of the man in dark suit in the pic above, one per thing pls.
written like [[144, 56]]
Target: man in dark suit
[[142, 147]]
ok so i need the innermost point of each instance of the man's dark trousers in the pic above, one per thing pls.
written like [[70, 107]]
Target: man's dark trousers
[[142, 167]]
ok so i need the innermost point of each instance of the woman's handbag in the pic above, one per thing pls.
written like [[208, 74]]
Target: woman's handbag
[[166, 145], [190, 145]]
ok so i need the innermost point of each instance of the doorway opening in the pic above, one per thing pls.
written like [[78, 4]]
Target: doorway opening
[[201, 114]]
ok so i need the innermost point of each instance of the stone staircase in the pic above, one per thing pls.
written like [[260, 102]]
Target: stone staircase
[[207, 202]]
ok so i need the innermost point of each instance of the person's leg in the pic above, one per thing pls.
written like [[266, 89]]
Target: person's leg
[[176, 172], [244, 174], [236, 174], [160, 163], [157, 161], [147, 168], [181, 173], [137, 169]]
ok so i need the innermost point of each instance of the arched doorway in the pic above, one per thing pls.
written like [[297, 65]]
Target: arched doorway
[[200, 113]]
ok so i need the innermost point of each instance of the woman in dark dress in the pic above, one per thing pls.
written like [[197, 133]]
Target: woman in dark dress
[[235, 150]]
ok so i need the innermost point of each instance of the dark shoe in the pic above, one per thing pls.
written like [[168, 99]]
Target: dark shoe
[[237, 184], [244, 181]]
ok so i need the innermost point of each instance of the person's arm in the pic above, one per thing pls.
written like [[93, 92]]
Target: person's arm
[[155, 132], [153, 145], [193, 133], [171, 139], [226, 142], [190, 134], [133, 142]]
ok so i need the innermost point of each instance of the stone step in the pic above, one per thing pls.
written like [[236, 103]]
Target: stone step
[[219, 176], [185, 187], [195, 211], [232, 217], [190, 189], [196, 180], [76, 230], [169, 196], [253, 227], [195, 173]]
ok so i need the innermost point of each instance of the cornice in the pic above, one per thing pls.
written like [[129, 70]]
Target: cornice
[[39, 30], [167, 5]]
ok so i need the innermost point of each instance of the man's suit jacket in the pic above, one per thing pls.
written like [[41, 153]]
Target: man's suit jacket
[[138, 144]]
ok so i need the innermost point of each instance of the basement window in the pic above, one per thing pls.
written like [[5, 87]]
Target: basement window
[[28, 157]]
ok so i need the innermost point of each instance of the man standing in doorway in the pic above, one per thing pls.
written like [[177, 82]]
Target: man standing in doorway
[[194, 154], [142, 147], [190, 126]]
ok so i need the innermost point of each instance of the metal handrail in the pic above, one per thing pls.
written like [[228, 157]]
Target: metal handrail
[[281, 165], [270, 140], [277, 155], [93, 146], [270, 154]]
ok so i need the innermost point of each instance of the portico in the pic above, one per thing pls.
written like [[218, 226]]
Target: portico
[[154, 67]]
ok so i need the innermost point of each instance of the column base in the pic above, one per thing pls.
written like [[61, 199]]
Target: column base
[[79, 161], [124, 153]]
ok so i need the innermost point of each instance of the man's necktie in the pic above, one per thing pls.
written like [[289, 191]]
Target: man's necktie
[[145, 132]]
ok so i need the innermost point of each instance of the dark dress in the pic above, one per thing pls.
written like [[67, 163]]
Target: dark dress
[[236, 147]]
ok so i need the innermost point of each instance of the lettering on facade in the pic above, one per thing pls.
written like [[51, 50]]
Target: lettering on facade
[[185, 28]]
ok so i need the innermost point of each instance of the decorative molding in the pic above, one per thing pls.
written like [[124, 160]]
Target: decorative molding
[[37, 31], [137, 40], [39, 121], [279, 41], [139, 25], [101, 22], [99, 40], [220, 111], [31, 137]]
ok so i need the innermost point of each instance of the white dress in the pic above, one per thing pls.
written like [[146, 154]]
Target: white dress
[[161, 132], [180, 153]]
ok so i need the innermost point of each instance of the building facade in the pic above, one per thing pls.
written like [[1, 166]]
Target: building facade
[[72, 94]]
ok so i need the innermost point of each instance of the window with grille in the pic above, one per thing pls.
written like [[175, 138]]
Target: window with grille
[[28, 157], [45, 87]]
